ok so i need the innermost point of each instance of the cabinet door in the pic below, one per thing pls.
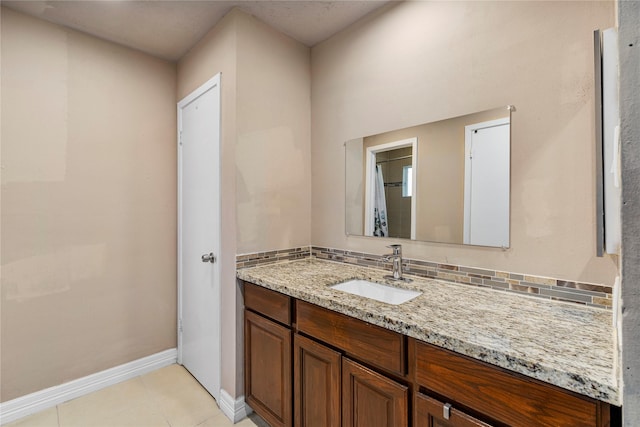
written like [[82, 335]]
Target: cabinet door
[[267, 359], [370, 399], [316, 379], [433, 413]]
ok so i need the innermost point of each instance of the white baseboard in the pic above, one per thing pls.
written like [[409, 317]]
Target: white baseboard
[[234, 409], [12, 410]]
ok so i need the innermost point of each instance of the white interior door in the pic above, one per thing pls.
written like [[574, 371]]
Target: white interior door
[[487, 176], [199, 234]]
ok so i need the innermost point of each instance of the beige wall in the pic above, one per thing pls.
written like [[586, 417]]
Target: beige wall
[[88, 205], [418, 62], [265, 152], [273, 178], [216, 53], [273, 145]]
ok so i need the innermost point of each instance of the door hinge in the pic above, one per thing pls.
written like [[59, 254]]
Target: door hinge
[[180, 325], [180, 138]]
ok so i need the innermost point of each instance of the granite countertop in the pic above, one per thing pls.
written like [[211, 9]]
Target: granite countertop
[[564, 344]]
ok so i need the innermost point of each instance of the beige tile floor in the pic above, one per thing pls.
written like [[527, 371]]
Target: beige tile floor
[[168, 397]]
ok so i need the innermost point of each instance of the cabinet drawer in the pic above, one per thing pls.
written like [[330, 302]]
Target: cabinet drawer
[[503, 396], [433, 413], [269, 303], [369, 343]]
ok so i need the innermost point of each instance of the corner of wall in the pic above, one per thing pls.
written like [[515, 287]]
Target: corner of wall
[[234, 409], [629, 45]]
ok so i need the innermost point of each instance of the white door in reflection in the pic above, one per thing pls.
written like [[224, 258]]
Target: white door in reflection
[[486, 186]]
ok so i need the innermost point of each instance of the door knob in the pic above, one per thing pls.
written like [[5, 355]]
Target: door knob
[[210, 257]]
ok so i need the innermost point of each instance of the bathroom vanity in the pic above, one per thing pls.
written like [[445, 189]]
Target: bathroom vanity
[[454, 356]]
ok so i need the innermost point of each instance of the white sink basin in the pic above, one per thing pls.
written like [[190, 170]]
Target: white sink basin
[[376, 291]]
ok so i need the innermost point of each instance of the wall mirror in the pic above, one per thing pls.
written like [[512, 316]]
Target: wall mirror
[[446, 181]]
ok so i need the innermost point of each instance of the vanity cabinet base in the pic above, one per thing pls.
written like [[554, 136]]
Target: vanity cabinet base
[[308, 366]]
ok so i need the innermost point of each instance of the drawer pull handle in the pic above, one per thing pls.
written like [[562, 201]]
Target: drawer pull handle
[[446, 411]]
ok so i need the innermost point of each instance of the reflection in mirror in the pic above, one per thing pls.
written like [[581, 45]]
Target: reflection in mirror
[[445, 181], [389, 203]]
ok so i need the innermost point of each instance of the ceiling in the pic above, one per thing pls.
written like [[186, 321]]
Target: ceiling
[[168, 29]]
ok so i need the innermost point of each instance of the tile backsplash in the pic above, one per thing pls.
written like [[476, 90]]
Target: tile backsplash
[[271, 257], [536, 286]]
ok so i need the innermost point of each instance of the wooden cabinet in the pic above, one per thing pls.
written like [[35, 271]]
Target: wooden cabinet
[[316, 379], [267, 355], [370, 399], [268, 303], [332, 391], [500, 395], [329, 386], [361, 340], [430, 412], [307, 366], [322, 387], [268, 369]]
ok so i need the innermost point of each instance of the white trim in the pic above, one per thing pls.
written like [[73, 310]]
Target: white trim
[[179, 232], [370, 169], [234, 409], [52, 396], [468, 133], [212, 82], [208, 85]]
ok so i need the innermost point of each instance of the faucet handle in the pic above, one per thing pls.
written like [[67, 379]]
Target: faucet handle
[[397, 249]]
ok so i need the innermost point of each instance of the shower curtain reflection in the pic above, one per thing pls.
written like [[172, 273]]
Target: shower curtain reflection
[[380, 206], [395, 165]]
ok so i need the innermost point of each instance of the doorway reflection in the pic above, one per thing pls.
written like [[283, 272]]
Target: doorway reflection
[[398, 189]]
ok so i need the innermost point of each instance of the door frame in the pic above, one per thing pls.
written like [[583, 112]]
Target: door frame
[[370, 174], [208, 85], [468, 135]]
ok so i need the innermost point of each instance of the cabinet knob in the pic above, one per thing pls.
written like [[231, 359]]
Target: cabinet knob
[[446, 411]]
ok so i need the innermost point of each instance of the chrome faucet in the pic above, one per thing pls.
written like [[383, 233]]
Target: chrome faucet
[[396, 258]]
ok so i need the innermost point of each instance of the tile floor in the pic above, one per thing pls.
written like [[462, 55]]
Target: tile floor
[[168, 397]]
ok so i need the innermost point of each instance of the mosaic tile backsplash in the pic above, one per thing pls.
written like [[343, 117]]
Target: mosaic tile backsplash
[[541, 287], [271, 257]]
